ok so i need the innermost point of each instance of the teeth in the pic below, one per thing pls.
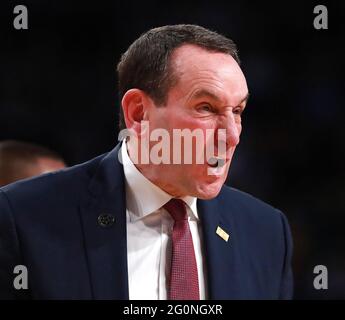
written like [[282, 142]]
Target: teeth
[[213, 162], [221, 162], [216, 162]]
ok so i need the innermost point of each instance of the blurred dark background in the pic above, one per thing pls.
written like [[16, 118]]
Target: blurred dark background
[[58, 89]]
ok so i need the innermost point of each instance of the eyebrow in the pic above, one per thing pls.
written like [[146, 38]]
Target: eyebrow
[[246, 98], [205, 93]]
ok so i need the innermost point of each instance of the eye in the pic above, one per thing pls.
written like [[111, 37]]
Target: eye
[[238, 111], [205, 108]]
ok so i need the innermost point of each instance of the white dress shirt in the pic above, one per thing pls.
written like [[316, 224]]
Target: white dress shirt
[[149, 228]]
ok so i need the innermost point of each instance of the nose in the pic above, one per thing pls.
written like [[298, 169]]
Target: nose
[[230, 135]]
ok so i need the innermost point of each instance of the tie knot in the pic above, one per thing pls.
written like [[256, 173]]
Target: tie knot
[[177, 209]]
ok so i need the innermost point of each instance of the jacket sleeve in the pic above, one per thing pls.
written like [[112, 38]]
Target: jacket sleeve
[[286, 287], [9, 251]]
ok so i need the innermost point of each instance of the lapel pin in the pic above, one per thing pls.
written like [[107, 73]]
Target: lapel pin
[[106, 220], [222, 234]]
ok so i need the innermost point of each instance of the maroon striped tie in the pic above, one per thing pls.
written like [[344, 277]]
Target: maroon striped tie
[[184, 284]]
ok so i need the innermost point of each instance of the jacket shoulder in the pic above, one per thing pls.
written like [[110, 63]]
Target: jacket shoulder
[[246, 201]]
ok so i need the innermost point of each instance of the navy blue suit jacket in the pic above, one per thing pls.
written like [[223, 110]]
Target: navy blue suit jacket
[[50, 225]]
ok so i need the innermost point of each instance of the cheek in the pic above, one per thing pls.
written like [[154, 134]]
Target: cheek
[[239, 128], [158, 120], [195, 126]]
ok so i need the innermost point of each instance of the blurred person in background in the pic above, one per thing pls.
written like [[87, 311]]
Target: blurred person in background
[[21, 160]]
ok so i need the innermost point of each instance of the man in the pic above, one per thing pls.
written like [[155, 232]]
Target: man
[[122, 227], [21, 160]]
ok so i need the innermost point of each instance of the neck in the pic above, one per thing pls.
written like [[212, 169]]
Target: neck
[[152, 172]]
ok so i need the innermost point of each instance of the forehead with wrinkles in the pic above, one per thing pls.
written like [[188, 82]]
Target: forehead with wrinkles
[[198, 69]]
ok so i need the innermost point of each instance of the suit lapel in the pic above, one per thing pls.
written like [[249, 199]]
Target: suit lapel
[[106, 243], [223, 276], [106, 247]]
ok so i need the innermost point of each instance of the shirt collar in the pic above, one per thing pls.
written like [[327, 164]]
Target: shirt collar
[[142, 196]]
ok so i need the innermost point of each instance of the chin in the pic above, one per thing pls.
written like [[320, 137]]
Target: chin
[[207, 192]]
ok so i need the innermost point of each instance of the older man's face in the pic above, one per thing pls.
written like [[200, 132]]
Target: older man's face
[[211, 93]]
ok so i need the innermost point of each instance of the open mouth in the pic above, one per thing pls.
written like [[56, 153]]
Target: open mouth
[[216, 162]]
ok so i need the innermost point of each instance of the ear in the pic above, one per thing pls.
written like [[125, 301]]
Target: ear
[[135, 106]]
